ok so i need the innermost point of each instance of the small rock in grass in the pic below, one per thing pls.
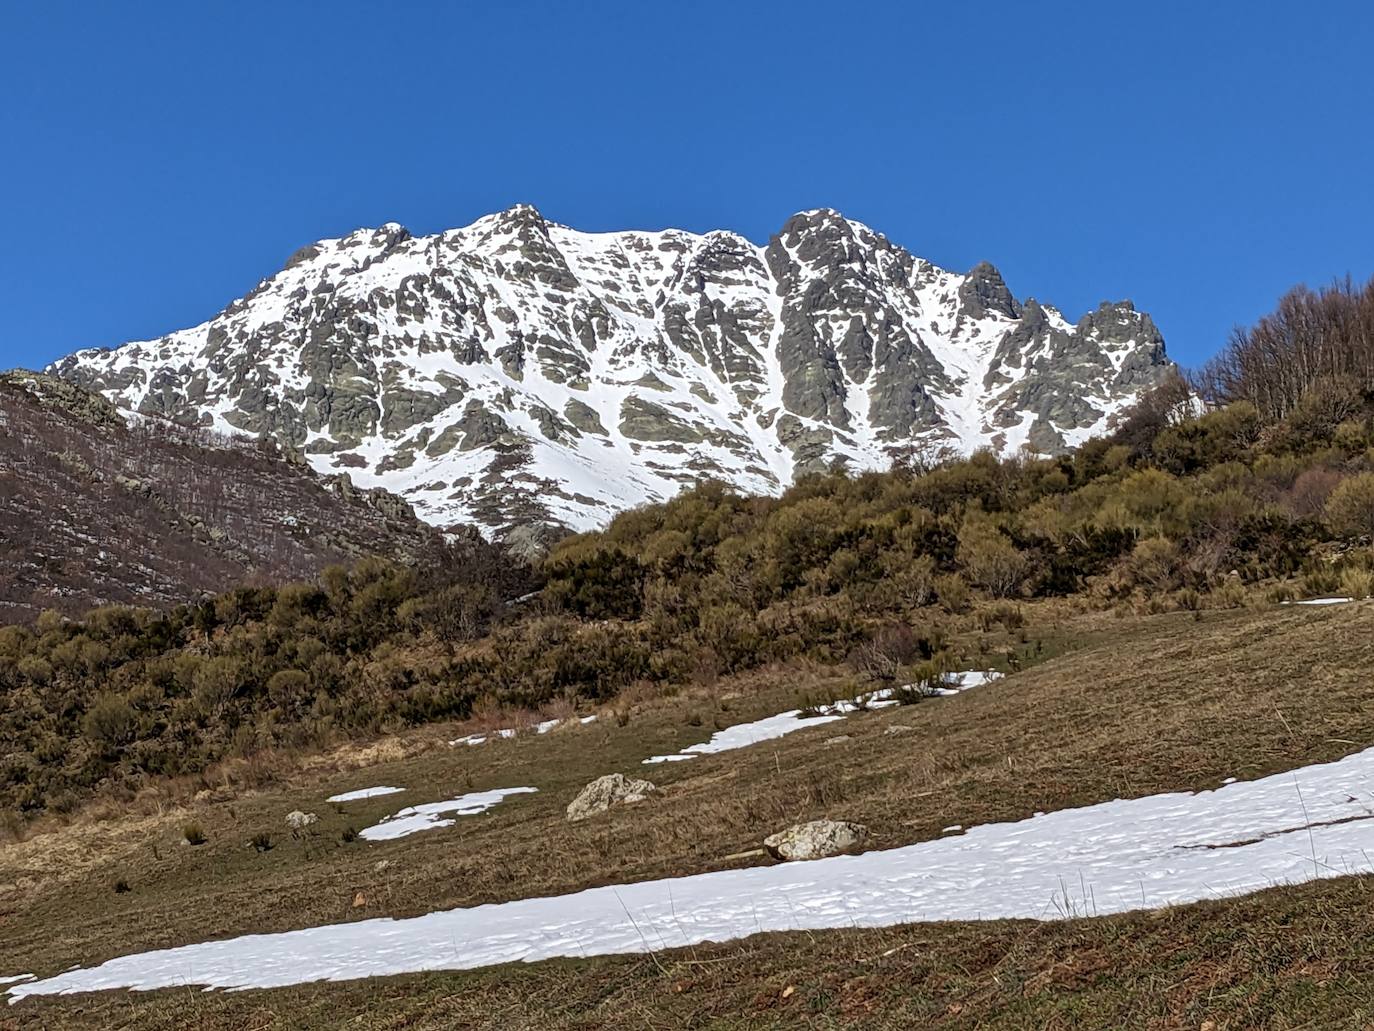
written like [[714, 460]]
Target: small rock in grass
[[838, 739], [899, 728], [604, 792], [298, 820], [816, 839], [382, 865]]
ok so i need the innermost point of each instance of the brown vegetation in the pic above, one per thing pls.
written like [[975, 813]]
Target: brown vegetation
[[1281, 687], [94, 511], [1312, 357]]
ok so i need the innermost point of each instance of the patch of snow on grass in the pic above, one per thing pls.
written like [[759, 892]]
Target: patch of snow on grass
[[1323, 601], [744, 734], [960, 682], [433, 815], [770, 727], [1112, 857], [509, 732], [361, 793], [954, 683]]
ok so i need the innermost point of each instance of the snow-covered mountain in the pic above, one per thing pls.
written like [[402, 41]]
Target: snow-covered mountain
[[517, 370]]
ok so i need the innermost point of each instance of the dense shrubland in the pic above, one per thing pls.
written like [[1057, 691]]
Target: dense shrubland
[[1251, 500]]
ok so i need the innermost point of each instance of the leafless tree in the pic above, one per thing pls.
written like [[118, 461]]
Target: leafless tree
[[1311, 337]]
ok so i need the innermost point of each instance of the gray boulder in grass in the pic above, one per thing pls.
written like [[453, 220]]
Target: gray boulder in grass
[[604, 792], [298, 820], [816, 840]]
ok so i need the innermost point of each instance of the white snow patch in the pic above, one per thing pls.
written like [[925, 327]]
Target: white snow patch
[[431, 815], [744, 734], [1323, 601], [957, 683], [353, 796], [770, 727], [1112, 857], [509, 732]]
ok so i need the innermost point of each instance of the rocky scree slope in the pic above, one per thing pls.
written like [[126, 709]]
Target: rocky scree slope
[[517, 371], [97, 507]]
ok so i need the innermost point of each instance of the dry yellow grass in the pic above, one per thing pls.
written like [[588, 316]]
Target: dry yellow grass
[[1169, 702], [1285, 959]]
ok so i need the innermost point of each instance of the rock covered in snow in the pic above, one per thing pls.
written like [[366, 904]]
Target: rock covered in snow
[[816, 839], [519, 372], [298, 820], [604, 792]]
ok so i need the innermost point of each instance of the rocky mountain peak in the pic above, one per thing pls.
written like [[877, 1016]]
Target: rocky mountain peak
[[517, 371], [984, 291]]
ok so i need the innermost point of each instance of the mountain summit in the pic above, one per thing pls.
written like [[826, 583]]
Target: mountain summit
[[517, 370]]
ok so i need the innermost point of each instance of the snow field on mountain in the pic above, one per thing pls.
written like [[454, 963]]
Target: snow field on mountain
[[516, 368]]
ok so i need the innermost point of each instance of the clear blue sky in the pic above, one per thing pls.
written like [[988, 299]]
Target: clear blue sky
[[159, 158]]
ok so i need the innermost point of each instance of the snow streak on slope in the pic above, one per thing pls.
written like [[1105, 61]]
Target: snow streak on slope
[[361, 793], [436, 815], [1108, 858], [519, 370], [742, 735]]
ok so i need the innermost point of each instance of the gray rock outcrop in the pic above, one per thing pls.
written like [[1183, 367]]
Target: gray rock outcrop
[[816, 839], [298, 820], [605, 792]]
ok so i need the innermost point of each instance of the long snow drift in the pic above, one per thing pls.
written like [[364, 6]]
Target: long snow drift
[[742, 735], [1108, 858]]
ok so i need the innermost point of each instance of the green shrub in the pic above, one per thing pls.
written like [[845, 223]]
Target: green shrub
[[1154, 565], [1319, 579], [1357, 583], [110, 723], [953, 593], [990, 560], [1350, 508], [927, 681]]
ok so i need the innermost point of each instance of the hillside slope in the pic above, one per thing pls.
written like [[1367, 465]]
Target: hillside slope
[[517, 370], [1283, 686], [95, 509]]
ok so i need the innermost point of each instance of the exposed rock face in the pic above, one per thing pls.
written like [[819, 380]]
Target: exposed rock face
[[517, 370], [816, 840], [604, 792]]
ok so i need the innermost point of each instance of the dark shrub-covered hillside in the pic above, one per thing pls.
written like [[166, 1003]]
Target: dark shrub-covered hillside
[[96, 511]]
